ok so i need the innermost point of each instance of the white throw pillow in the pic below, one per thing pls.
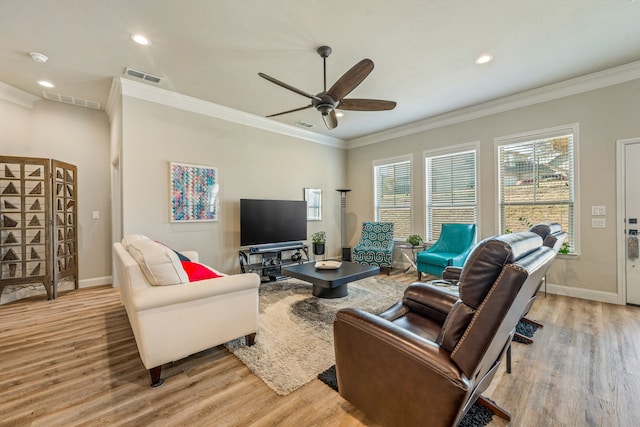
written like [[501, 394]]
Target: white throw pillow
[[159, 264], [130, 238]]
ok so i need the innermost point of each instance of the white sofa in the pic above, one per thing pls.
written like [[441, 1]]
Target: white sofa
[[173, 318]]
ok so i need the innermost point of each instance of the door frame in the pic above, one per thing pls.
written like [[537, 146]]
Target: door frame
[[621, 236]]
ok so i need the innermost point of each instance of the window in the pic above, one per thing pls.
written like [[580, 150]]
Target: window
[[451, 193], [392, 198], [536, 180]]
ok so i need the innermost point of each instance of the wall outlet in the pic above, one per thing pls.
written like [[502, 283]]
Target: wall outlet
[[96, 214]]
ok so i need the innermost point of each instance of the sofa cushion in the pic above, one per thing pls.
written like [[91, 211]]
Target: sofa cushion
[[197, 271], [160, 264]]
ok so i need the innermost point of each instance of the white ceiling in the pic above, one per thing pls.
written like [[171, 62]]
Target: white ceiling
[[424, 51]]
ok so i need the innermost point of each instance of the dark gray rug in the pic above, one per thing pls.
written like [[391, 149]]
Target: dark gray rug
[[525, 328], [477, 416]]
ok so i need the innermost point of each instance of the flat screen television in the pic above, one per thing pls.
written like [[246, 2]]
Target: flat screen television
[[272, 221]]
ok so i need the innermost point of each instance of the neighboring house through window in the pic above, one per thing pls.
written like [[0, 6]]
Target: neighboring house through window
[[451, 189], [392, 198], [536, 180]]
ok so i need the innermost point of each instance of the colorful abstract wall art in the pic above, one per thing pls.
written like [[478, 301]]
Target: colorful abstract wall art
[[194, 192]]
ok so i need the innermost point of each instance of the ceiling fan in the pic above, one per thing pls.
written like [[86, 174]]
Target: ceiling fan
[[328, 101]]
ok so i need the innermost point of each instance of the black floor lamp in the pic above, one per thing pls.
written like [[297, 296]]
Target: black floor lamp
[[346, 250]]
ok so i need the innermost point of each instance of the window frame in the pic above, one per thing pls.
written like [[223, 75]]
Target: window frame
[[543, 134], [451, 150], [388, 162]]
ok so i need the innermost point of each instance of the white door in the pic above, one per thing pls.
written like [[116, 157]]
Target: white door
[[632, 221]]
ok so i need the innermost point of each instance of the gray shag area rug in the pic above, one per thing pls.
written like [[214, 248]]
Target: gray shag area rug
[[294, 342]]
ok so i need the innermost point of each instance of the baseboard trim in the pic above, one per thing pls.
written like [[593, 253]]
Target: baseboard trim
[[588, 294], [95, 281]]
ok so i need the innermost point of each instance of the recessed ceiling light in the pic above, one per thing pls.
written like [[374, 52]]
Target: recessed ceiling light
[[39, 57], [483, 59], [140, 39], [45, 83]]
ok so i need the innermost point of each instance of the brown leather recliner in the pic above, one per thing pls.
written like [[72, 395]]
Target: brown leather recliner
[[553, 237], [428, 358]]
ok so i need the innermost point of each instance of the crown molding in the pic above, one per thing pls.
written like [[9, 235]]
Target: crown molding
[[610, 77], [187, 103], [17, 96]]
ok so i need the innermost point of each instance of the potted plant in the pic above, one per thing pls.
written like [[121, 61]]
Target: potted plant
[[415, 240], [319, 238]]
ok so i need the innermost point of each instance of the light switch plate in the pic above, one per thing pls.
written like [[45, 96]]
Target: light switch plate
[[598, 223], [598, 210], [96, 214]]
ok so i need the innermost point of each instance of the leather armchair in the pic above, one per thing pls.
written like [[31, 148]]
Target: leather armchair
[[427, 359], [452, 248]]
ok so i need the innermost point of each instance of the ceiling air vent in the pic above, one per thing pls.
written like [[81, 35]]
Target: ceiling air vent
[[51, 96], [305, 124], [140, 75]]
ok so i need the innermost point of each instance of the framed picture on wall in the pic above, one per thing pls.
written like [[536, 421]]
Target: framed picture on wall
[[194, 192], [313, 197]]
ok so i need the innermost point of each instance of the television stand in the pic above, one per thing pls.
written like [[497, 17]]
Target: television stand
[[267, 261]]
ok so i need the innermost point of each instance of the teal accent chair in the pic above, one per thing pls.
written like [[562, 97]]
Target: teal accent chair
[[451, 249], [376, 245]]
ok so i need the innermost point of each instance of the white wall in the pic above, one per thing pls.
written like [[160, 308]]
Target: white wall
[[79, 136], [252, 163], [604, 115]]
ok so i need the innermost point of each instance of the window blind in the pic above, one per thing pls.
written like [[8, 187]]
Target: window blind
[[536, 183], [393, 196], [451, 195]]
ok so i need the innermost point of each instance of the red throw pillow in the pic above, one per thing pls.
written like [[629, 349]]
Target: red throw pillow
[[197, 271]]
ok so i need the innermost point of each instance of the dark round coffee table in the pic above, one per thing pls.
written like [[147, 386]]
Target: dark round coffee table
[[330, 283]]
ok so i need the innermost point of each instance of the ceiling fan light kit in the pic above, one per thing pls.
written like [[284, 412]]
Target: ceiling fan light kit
[[327, 101]]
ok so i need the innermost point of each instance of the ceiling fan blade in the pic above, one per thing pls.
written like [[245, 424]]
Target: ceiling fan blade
[[366, 105], [286, 86], [290, 111], [350, 80], [331, 120]]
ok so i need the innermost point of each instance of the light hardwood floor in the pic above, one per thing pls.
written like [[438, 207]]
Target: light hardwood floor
[[73, 361]]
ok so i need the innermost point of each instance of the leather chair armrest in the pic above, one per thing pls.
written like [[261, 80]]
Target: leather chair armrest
[[452, 273], [429, 301], [395, 311]]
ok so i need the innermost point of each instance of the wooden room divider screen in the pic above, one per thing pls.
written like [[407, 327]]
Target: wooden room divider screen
[[38, 224]]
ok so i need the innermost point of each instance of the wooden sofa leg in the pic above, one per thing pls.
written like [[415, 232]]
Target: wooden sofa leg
[[156, 381], [251, 339]]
